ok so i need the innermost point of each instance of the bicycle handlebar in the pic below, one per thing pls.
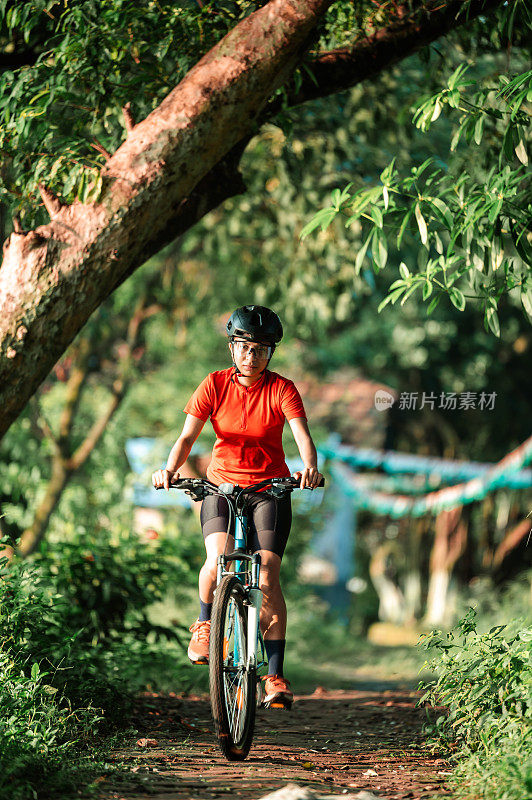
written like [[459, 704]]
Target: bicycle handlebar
[[199, 487]]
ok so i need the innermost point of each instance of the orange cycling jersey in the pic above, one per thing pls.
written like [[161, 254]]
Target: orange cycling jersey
[[248, 422]]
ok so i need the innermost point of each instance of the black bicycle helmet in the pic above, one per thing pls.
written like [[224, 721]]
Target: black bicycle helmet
[[260, 323]]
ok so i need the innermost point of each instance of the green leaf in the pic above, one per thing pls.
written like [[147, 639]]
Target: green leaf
[[508, 143], [323, 218], [526, 300], [403, 269], [427, 289], [396, 294], [384, 303], [495, 209], [361, 200], [379, 248], [422, 225], [520, 151], [457, 298], [402, 229], [338, 198], [444, 214], [433, 303], [497, 254], [419, 170], [478, 129], [437, 111], [309, 72], [492, 318], [386, 198], [409, 291], [456, 138], [81, 186], [35, 671], [387, 173], [376, 215], [361, 253], [454, 80]]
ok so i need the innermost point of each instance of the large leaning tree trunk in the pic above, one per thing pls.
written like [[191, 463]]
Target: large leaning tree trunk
[[175, 166]]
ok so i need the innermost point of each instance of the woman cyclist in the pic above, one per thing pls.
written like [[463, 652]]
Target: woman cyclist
[[247, 405]]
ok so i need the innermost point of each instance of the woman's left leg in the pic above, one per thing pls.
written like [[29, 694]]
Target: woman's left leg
[[273, 611], [271, 523]]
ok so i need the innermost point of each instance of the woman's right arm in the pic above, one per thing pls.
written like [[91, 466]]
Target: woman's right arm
[[179, 453]]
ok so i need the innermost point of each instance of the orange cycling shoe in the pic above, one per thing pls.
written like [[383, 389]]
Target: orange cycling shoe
[[198, 649], [277, 692]]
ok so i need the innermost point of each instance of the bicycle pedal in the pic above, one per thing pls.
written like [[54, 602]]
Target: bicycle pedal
[[202, 662], [282, 705]]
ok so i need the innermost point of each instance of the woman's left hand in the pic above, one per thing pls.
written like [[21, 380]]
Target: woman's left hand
[[310, 477]]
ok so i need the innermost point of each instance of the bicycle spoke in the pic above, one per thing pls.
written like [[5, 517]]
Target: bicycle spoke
[[238, 704]]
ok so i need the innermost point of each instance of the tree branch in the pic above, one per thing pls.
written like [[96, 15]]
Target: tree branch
[[97, 429], [337, 70], [76, 381], [118, 390], [174, 167], [511, 540], [33, 535]]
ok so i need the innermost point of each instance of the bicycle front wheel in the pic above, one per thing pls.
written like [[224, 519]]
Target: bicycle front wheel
[[233, 685]]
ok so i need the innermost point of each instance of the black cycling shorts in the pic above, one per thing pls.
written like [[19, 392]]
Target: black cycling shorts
[[269, 521]]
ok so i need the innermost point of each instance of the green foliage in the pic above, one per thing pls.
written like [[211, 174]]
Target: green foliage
[[77, 640], [85, 60], [471, 220], [484, 681], [91, 58], [40, 728]]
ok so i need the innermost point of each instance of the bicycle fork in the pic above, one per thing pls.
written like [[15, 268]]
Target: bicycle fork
[[253, 596], [255, 604]]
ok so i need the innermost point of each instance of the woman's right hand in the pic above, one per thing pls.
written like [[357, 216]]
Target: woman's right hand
[[164, 477]]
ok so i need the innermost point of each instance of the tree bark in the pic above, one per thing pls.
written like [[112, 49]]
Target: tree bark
[[174, 167], [511, 540], [449, 544]]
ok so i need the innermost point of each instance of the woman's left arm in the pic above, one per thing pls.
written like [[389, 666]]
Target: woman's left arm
[[310, 476]]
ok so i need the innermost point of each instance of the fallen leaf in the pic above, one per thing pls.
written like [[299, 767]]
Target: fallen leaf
[[147, 743]]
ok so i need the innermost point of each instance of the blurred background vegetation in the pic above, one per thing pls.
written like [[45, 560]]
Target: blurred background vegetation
[[94, 606]]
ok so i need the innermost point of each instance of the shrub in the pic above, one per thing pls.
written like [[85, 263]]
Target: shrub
[[75, 638], [484, 681]]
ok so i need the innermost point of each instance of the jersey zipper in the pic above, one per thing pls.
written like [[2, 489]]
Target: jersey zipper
[[244, 421]]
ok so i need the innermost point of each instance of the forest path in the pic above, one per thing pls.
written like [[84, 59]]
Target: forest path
[[337, 742]]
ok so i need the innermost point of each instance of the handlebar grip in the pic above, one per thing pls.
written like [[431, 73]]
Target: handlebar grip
[[295, 482], [180, 483]]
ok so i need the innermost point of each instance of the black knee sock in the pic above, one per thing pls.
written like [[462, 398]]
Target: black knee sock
[[275, 653], [205, 611]]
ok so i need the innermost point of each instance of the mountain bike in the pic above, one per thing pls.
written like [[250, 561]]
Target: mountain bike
[[236, 648]]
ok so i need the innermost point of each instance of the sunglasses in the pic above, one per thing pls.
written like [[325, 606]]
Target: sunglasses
[[243, 348]]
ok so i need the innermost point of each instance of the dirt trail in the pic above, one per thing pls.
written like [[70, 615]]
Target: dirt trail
[[335, 741]]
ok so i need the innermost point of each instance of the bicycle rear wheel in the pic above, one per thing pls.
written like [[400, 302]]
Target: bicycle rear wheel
[[233, 685]]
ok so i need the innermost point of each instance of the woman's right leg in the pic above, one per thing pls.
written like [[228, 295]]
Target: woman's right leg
[[214, 545], [214, 517], [198, 649], [214, 523]]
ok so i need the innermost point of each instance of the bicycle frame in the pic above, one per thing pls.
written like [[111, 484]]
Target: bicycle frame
[[253, 592]]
